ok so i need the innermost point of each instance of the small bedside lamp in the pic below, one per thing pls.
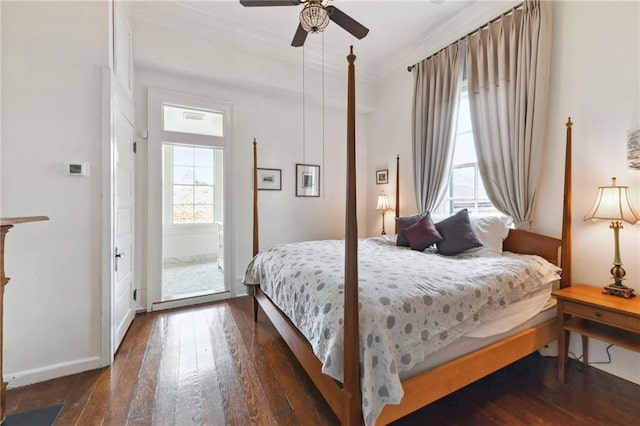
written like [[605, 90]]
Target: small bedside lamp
[[612, 203], [383, 205]]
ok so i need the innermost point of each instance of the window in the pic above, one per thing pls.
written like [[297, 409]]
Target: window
[[193, 181], [465, 190], [195, 121]]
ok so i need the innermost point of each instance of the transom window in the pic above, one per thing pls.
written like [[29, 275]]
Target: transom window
[[465, 189], [194, 121], [193, 181]]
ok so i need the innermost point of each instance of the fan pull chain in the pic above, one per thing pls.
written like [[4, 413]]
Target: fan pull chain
[[324, 170], [304, 115]]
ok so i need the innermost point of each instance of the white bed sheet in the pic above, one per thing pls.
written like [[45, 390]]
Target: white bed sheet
[[466, 344]]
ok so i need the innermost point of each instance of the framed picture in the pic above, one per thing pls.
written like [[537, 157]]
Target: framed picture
[[270, 179], [633, 149], [307, 180], [382, 176]]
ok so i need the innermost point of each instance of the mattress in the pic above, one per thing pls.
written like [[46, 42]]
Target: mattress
[[510, 322]]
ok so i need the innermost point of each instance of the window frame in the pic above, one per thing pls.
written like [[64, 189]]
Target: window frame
[[194, 110], [169, 164], [446, 207]]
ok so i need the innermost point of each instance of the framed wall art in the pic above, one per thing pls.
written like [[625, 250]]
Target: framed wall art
[[307, 180], [633, 149], [382, 176], [270, 179]]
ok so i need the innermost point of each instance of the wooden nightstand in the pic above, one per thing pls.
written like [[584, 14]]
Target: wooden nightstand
[[585, 310]]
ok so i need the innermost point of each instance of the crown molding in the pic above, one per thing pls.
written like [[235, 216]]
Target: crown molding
[[446, 32], [262, 36], [183, 18]]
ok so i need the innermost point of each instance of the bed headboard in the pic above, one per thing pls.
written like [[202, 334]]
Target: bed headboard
[[525, 242]]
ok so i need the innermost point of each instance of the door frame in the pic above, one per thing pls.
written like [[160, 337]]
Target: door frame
[[155, 99], [114, 98]]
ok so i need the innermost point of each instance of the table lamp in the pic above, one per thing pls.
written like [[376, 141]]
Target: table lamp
[[612, 203], [383, 205]]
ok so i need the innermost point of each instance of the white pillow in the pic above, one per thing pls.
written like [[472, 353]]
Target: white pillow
[[491, 231]]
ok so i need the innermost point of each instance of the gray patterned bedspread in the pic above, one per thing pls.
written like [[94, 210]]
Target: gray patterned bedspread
[[411, 303]]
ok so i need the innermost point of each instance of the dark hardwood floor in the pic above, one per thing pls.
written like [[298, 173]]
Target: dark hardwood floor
[[208, 365]]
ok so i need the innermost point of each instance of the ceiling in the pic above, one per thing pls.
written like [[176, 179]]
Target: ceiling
[[399, 30]]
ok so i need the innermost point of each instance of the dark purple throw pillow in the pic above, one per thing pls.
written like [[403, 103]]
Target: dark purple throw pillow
[[422, 234], [405, 222], [457, 234]]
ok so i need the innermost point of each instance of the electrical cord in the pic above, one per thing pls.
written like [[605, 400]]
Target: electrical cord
[[581, 365]]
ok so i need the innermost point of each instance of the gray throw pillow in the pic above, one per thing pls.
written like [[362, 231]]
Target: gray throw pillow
[[457, 234]]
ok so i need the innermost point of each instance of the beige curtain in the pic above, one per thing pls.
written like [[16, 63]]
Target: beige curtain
[[437, 82], [508, 80]]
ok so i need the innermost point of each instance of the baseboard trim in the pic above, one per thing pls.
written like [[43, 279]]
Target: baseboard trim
[[41, 374], [239, 288]]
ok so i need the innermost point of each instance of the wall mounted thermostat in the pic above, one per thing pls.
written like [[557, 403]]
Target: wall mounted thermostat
[[76, 169]]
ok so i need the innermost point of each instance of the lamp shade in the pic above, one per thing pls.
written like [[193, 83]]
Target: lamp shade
[[383, 203], [612, 203]]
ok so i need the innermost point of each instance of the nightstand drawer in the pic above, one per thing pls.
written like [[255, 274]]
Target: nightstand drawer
[[602, 315]]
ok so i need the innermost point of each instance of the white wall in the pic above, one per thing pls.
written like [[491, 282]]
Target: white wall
[[390, 130], [157, 47], [0, 107], [595, 72], [187, 241], [595, 80], [52, 54], [271, 111]]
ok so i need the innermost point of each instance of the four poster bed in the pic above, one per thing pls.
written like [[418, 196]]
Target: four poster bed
[[384, 279]]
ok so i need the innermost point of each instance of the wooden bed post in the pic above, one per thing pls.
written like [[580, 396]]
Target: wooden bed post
[[565, 255], [352, 398], [397, 189], [256, 243]]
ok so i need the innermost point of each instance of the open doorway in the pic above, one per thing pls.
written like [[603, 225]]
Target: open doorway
[[193, 223], [188, 248]]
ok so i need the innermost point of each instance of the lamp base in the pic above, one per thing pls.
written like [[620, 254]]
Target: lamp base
[[618, 290]]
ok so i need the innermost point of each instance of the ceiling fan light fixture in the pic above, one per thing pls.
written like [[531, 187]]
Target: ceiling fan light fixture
[[314, 17]]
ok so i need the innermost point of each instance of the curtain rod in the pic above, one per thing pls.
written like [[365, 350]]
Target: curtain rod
[[411, 67]]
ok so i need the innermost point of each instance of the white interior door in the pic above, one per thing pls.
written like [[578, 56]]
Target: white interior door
[[123, 309]]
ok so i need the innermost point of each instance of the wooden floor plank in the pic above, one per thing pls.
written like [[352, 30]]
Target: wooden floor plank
[[307, 402], [122, 395], [142, 404], [141, 411], [189, 398], [40, 395], [100, 399], [235, 408], [277, 400], [212, 365], [253, 392], [79, 394], [213, 409], [167, 386]]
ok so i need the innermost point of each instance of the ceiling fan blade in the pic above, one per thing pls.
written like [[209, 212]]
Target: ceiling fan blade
[[348, 23], [300, 37], [258, 3]]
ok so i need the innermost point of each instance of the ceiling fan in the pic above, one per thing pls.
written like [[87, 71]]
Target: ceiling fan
[[314, 17]]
